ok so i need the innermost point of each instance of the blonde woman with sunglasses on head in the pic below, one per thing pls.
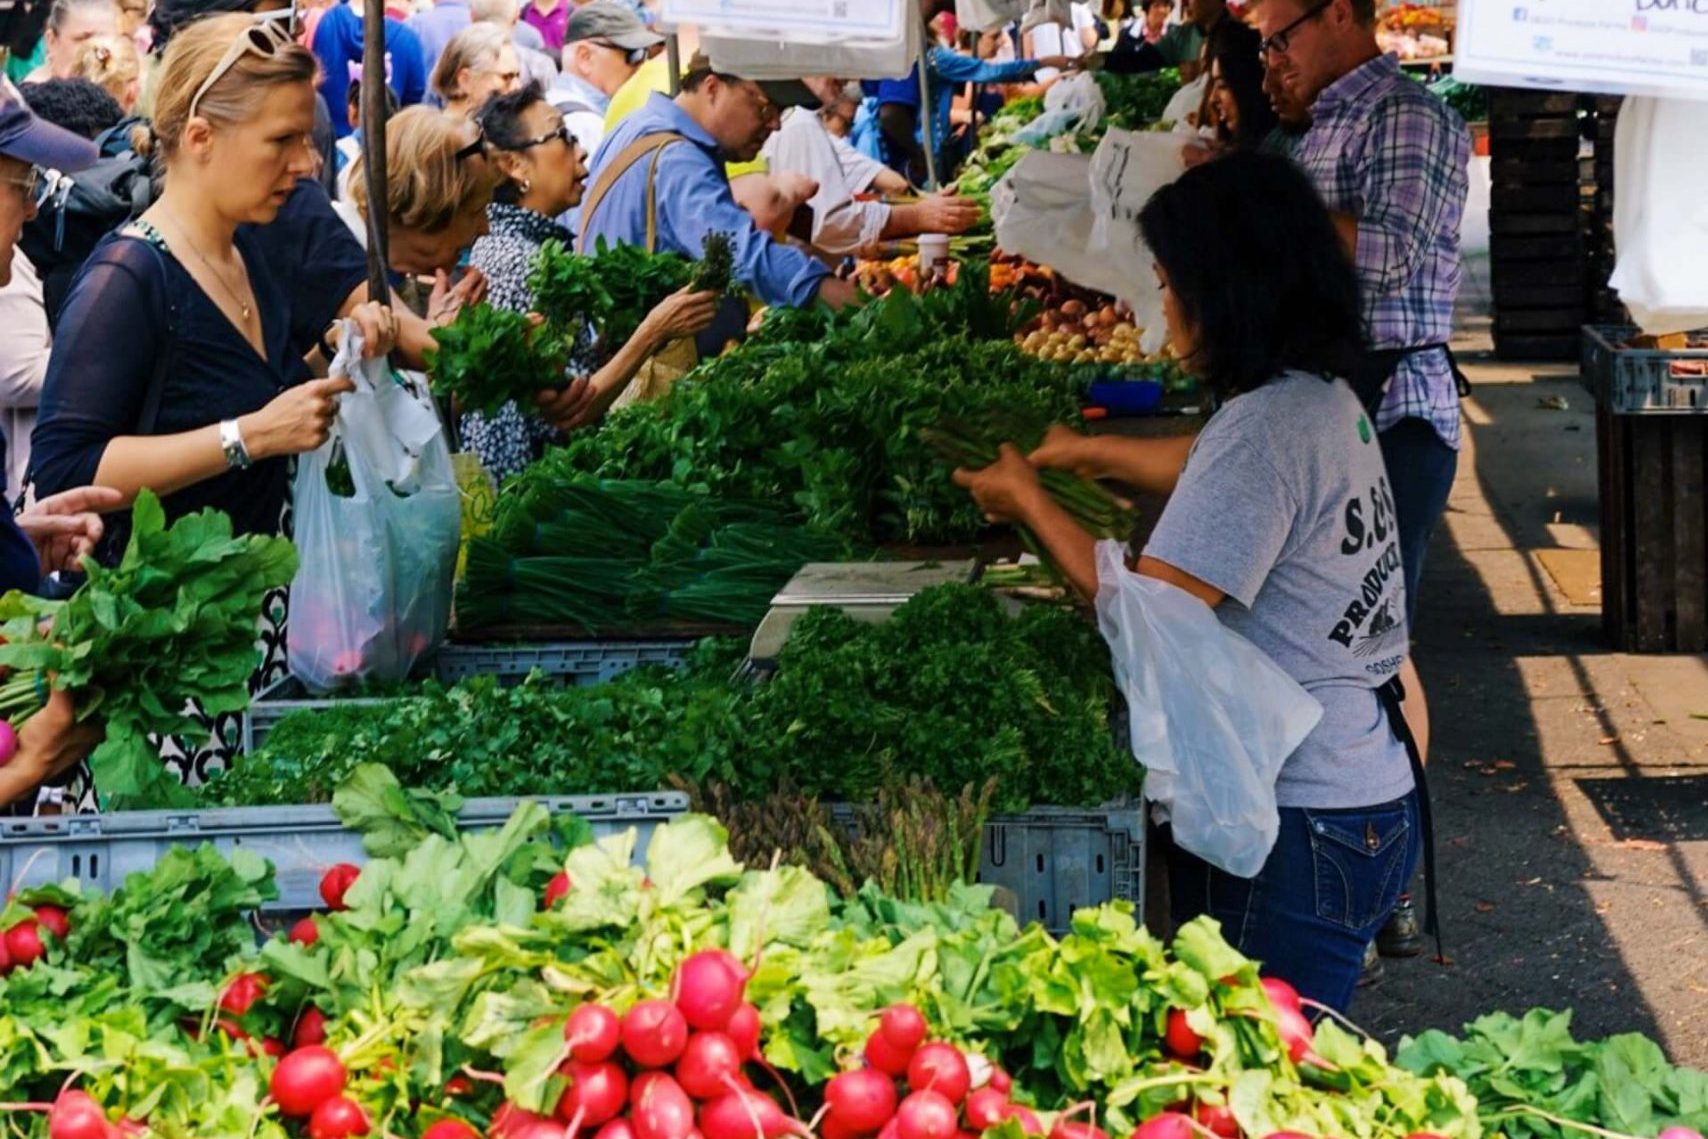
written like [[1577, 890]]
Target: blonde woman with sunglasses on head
[[174, 367]]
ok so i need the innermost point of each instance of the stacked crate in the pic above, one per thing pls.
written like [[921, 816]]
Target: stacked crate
[[1537, 249], [1603, 303]]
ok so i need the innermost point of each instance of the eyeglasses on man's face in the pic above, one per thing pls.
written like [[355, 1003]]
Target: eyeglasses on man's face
[[1278, 43]]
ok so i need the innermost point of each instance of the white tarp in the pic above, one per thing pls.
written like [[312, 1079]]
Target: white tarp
[[1660, 217]]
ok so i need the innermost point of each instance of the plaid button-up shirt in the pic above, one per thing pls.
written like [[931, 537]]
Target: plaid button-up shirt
[[1384, 150]]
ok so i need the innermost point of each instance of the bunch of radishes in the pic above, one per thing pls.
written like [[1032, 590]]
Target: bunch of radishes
[[22, 946], [947, 1093], [665, 1069]]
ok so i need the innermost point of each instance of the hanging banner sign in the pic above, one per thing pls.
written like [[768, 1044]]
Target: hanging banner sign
[[1611, 47], [820, 19]]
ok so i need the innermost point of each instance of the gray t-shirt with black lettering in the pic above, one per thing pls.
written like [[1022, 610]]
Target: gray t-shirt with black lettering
[[1284, 506]]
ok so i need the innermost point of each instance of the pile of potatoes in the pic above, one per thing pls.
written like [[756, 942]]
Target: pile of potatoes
[[1076, 333]]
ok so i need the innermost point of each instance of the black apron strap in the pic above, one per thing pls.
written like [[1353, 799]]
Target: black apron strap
[[1392, 694], [1376, 368]]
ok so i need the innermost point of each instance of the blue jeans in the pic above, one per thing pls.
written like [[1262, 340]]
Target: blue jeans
[[1420, 474], [1311, 912]]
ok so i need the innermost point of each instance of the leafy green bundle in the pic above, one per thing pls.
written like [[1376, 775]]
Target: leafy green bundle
[[173, 623], [830, 423], [612, 290], [604, 556], [1532, 1080], [1133, 102], [950, 689], [489, 356]]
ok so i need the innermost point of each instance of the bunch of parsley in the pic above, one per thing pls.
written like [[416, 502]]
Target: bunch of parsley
[[489, 356]]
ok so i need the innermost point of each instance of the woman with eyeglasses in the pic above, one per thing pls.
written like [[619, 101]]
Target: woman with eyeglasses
[[174, 367], [546, 172], [478, 63]]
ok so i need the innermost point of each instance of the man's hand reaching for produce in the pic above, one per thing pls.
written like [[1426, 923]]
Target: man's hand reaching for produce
[[66, 526], [1008, 490], [947, 212]]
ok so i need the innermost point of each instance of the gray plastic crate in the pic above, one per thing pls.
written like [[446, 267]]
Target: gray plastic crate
[[1643, 381], [300, 842], [574, 662], [1055, 860]]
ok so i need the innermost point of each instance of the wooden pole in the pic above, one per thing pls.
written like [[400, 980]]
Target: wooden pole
[[673, 63], [373, 146]]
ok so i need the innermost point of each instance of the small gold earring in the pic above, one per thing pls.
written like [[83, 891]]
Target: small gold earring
[[526, 185]]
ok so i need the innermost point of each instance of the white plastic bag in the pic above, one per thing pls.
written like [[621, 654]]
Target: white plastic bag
[[1078, 93], [372, 594], [983, 15], [1660, 223], [1213, 718]]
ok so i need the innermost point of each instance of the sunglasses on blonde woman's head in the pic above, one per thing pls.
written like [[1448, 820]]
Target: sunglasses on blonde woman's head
[[266, 37]]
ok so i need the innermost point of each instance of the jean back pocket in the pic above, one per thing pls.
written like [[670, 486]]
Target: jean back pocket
[[1358, 857]]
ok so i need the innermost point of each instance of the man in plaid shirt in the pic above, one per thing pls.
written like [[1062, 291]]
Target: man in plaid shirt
[[1389, 159]]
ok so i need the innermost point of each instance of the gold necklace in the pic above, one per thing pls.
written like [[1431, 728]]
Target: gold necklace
[[243, 306]]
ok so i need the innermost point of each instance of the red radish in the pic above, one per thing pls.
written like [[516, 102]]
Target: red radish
[[941, 1068], [888, 1131], [1218, 1118], [458, 1086], [616, 1129], [926, 1115], [5, 957], [885, 1057], [305, 932], [863, 1099], [654, 1034], [272, 1046], [311, 1028], [1298, 1036], [708, 990], [337, 1118], [1181, 1042], [985, 1108], [733, 1116], [903, 1027], [1024, 1116], [536, 1129], [743, 1028], [55, 919], [833, 1128], [1068, 1129], [76, 1115], [1290, 1135], [1166, 1125], [1001, 1081], [556, 890], [450, 1129], [592, 1033], [708, 1063], [336, 882], [24, 944], [1281, 994], [1674, 1132], [661, 1109], [596, 1093], [510, 1121], [245, 989], [307, 1078], [8, 742]]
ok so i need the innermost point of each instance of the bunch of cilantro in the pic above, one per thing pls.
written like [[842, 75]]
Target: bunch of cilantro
[[173, 623]]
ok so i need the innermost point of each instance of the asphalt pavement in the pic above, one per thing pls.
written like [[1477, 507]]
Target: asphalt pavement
[[1570, 781]]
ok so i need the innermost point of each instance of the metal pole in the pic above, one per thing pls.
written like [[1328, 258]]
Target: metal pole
[[673, 63], [373, 147], [927, 116]]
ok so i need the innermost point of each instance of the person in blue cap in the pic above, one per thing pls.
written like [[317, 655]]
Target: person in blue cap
[[58, 531]]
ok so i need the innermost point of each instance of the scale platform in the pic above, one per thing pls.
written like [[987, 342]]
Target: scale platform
[[866, 591]]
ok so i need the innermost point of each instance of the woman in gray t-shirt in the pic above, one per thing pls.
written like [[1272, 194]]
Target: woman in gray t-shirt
[[1280, 518]]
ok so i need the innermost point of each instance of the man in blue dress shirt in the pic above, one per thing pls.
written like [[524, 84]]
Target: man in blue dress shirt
[[658, 181]]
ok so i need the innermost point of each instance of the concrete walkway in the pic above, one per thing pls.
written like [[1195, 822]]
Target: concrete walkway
[[1571, 782]]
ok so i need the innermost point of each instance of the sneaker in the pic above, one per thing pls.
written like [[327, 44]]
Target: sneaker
[[1402, 936], [1373, 967]]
